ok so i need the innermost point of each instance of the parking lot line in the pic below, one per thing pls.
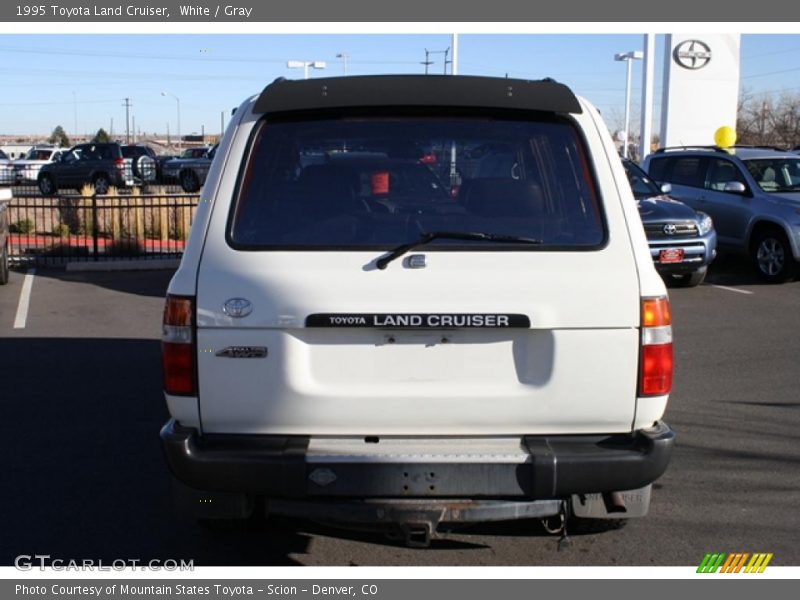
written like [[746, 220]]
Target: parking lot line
[[732, 289], [24, 300]]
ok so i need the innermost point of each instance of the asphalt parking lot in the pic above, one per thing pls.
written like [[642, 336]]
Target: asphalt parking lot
[[84, 475]]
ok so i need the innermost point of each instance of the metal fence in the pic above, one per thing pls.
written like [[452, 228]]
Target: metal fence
[[52, 230]]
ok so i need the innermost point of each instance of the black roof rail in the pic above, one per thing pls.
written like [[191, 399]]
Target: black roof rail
[[671, 148], [416, 90], [720, 149]]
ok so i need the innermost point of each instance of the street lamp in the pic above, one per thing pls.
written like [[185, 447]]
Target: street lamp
[[344, 56], [628, 57], [178, 100], [304, 64]]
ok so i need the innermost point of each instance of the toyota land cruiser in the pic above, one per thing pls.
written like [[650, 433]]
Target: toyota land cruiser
[[417, 300]]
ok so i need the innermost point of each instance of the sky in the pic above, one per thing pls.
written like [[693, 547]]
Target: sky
[[80, 81]]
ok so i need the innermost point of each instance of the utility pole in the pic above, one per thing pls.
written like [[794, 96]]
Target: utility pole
[[133, 127], [454, 43], [127, 106], [111, 129], [221, 123], [168, 142], [75, 113], [203, 132], [344, 56], [427, 62]]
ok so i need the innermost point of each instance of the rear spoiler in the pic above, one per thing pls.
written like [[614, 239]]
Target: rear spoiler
[[459, 91]]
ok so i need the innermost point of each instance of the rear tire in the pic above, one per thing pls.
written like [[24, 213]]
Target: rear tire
[[772, 256], [144, 168], [46, 185], [692, 279], [189, 182], [101, 184]]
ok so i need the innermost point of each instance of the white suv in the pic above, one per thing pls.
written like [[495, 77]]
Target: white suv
[[414, 300]]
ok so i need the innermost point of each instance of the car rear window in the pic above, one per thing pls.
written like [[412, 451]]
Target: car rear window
[[132, 151], [680, 170], [377, 181]]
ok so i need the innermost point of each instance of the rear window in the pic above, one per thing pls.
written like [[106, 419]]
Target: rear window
[[377, 182], [133, 151]]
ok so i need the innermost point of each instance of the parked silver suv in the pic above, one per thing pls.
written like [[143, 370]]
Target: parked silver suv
[[752, 194]]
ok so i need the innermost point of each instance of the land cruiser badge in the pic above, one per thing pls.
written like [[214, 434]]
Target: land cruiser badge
[[420, 321]]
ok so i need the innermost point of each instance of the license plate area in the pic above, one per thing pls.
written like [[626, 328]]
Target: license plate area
[[670, 255]]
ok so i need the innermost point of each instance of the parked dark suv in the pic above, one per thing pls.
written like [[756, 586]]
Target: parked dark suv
[[682, 242], [191, 169], [101, 165], [752, 194]]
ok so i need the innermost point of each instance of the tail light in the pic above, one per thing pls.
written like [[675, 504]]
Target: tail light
[[177, 346], [120, 164], [655, 376]]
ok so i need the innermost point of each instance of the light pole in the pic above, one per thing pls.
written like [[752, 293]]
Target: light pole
[[628, 57], [178, 100], [304, 64], [75, 113], [344, 56]]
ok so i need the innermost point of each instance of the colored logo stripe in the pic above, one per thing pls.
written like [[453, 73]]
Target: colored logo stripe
[[711, 563], [734, 563], [758, 563]]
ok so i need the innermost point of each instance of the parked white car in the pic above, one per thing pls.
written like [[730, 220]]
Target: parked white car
[[27, 169], [411, 300], [7, 174]]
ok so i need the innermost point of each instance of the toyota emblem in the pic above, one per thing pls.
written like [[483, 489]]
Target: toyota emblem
[[670, 229], [237, 307]]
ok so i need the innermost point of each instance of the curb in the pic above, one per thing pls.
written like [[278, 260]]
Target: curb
[[125, 265]]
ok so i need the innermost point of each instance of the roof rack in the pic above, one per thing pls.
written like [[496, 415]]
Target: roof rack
[[672, 148], [416, 90], [720, 148]]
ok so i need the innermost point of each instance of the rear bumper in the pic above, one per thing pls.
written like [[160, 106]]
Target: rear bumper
[[546, 467]]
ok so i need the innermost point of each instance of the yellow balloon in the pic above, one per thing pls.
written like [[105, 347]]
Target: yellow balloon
[[725, 137]]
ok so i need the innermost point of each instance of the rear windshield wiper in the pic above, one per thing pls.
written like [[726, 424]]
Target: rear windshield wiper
[[451, 235]]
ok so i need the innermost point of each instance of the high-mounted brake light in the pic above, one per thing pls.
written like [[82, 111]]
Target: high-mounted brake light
[[177, 346], [655, 377]]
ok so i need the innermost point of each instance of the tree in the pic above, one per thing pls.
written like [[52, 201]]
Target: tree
[[770, 120], [59, 137], [101, 137]]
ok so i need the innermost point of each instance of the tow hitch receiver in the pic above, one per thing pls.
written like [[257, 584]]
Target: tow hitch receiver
[[413, 522]]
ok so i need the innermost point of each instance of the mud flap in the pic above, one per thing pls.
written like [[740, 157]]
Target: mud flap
[[612, 505]]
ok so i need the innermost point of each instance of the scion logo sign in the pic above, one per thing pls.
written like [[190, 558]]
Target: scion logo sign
[[692, 54], [418, 321]]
